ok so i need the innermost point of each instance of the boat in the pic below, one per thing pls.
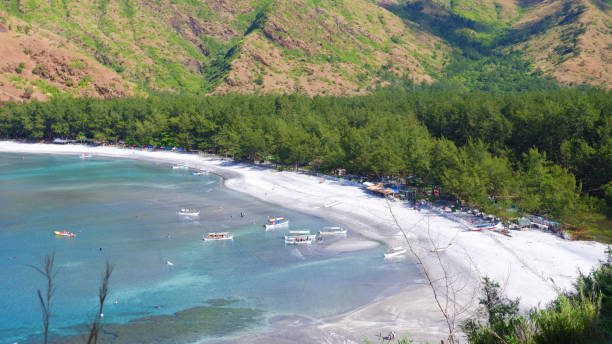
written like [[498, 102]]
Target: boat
[[200, 173], [300, 237], [64, 233], [330, 231], [300, 232], [276, 222], [180, 167], [395, 252], [86, 156], [485, 226], [218, 236], [189, 212]]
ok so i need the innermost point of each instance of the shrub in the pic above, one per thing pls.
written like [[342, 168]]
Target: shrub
[[20, 68]]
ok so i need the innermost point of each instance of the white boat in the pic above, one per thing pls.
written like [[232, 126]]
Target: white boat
[[86, 156], [188, 212], [218, 236], [330, 231], [300, 239], [395, 252], [64, 233], [200, 173], [276, 222], [300, 232], [180, 167]]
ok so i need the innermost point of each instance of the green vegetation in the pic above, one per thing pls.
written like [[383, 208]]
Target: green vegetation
[[20, 68], [582, 316], [544, 152]]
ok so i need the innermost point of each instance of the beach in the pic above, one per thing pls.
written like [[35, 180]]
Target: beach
[[532, 265]]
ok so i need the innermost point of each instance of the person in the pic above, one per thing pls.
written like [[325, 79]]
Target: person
[[241, 214]]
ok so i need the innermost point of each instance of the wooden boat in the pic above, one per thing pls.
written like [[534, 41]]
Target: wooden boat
[[64, 233], [188, 212], [276, 222], [213, 236], [395, 252], [332, 231]]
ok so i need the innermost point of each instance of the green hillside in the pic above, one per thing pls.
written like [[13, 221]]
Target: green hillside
[[313, 47]]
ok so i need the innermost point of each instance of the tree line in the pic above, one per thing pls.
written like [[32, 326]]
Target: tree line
[[544, 152]]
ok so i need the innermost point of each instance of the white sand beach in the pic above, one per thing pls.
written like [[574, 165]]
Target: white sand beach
[[531, 265]]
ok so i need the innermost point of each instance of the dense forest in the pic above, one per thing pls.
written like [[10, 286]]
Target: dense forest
[[541, 151]]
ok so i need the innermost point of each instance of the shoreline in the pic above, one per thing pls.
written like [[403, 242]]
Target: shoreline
[[531, 265]]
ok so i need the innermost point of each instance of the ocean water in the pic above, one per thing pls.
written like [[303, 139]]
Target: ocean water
[[124, 212]]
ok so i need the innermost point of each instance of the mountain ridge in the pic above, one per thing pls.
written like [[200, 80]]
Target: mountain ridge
[[313, 47]]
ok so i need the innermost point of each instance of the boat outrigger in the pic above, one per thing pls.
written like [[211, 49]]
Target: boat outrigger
[[276, 222], [189, 212], [485, 226], [330, 231], [64, 233], [300, 237], [395, 252], [218, 236]]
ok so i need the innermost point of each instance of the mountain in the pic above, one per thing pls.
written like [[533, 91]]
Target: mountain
[[108, 48], [569, 40]]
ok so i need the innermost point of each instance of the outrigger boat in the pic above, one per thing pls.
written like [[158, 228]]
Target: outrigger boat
[[218, 236], [180, 167], [276, 222], [189, 212], [395, 252], [300, 237], [200, 173], [86, 156], [485, 226], [64, 233], [330, 231]]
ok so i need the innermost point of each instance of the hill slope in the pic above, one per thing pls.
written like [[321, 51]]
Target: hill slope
[[245, 45], [569, 40], [114, 48]]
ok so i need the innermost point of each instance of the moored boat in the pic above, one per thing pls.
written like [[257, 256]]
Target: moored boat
[[218, 236], [64, 233], [299, 237], [331, 231], [395, 252], [189, 212], [200, 173], [180, 167], [86, 156], [276, 222]]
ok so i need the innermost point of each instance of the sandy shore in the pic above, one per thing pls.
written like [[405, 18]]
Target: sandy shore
[[531, 265]]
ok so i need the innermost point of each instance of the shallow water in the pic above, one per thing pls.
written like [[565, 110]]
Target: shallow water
[[125, 212]]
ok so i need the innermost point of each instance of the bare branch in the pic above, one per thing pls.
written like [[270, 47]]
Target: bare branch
[[103, 293], [48, 271]]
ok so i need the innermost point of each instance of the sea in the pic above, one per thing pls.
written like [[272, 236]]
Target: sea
[[167, 284]]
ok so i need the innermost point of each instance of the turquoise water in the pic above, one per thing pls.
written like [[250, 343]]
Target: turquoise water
[[125, 212]]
